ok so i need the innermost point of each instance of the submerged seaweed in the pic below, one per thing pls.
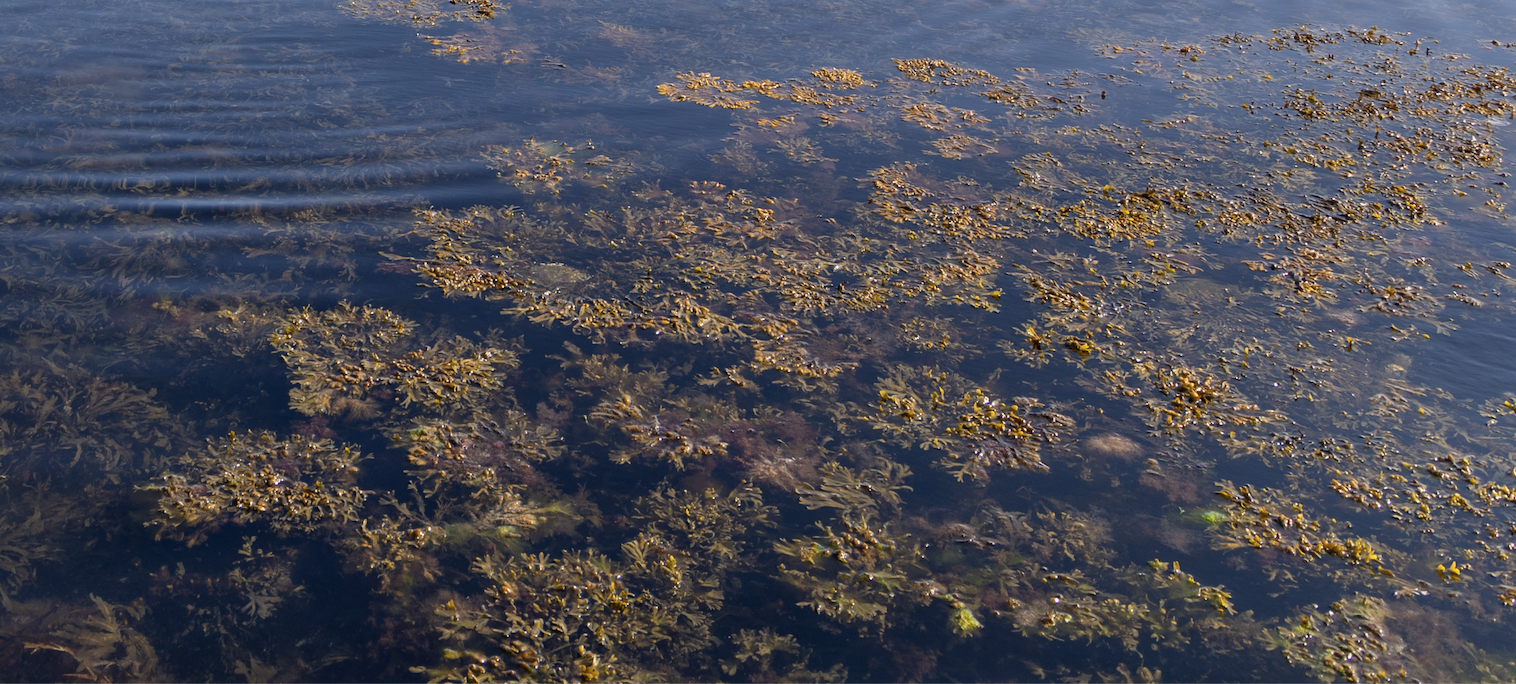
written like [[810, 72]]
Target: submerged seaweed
[[944, 317]]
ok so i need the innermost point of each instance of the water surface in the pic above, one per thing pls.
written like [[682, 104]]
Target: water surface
[[756, 341]]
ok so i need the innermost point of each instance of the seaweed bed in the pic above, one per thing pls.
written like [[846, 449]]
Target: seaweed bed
[[911, 371]]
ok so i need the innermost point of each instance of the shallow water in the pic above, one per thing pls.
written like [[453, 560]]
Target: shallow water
[[422, 341]]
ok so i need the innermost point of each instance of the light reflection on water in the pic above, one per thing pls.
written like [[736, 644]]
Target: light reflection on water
[[176, 181]]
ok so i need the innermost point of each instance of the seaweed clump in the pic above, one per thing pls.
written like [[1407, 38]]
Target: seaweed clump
[[760, 654], [1256, 519], [860, 571], [980, 433], [585, 617], [104, 645], [423, 12], [1348, 641], [348, 360], [725, 267], [544, 166], [292, 485], [60, 420]]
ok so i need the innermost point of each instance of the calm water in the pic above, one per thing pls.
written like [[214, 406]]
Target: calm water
[[792, 341]]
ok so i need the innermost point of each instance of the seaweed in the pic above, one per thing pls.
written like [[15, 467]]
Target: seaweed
[[979, 432], [758, 651], [661, 438], [1251, 274], [292, 485], [348, 360], [33, 524], [534, 166], [105, 647], [423, 12], [711, 297], [862, 571], [1347, 641], [1256, 519], [583, 616], [57, 420]]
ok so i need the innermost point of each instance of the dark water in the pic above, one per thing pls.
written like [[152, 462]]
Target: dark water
[[430, 341]]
